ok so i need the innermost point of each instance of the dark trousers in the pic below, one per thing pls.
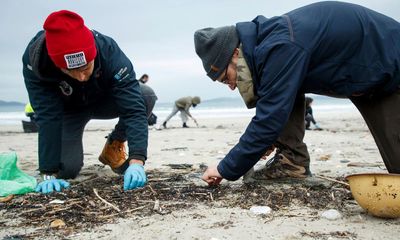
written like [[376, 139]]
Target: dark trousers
[[74, 124], [290, 142], [382, 116]]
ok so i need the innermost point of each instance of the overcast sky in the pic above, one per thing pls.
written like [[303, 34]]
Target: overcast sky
[[156, 35]]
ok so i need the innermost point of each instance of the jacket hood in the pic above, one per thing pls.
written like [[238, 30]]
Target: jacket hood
[[35, 51], [247, 32], [39, 59], [196, 100]]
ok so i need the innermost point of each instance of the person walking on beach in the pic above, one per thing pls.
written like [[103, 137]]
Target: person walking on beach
[[328, 48], [72, 75], [183, 105], [309, 117]]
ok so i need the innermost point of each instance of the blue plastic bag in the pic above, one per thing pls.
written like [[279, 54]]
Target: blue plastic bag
[[12, 179]]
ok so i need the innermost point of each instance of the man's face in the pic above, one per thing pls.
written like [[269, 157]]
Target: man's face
[[81, 74], [230, 74]]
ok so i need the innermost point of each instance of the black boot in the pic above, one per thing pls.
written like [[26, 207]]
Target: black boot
[[184, 125], [164, 124]]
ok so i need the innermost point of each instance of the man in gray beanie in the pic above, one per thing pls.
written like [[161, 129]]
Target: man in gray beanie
[[215, 47], [322, 48]]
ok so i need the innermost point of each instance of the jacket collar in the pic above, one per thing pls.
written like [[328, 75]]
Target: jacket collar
[[247, 32]]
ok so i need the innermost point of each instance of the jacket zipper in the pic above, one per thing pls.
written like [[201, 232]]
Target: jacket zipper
[[84, 98]]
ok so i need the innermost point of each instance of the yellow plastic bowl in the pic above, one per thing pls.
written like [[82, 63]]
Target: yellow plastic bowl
[[378, 193]]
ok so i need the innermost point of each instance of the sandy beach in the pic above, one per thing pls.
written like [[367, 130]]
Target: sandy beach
[[226, 214]]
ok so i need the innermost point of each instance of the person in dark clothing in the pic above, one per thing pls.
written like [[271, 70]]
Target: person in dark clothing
[[328, 48], [150, 99], [72, 75], [309, 117]]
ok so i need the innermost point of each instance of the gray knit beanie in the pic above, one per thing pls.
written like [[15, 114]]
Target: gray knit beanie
[[215, 48]]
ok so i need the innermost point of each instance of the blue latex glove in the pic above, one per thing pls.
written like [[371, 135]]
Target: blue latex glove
[[48, 186], [134, 177]]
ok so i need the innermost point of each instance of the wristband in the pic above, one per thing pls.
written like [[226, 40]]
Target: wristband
[[48, 177]]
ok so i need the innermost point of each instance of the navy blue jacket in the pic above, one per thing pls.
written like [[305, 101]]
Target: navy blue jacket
[[328, 48], [113, 78]]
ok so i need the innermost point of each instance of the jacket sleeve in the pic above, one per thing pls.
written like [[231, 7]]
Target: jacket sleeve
[[282, 70], [127, 94], [188, 104], [48, 108]]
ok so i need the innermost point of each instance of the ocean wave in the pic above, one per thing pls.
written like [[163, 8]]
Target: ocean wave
[[9, 118]]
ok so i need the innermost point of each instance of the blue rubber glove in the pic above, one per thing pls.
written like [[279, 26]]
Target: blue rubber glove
[[134, 177], [50, 185]]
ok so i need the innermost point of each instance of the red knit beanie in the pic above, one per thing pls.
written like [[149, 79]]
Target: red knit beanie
[[69, 42]]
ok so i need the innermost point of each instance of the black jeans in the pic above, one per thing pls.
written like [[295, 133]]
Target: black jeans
[[74, 124]]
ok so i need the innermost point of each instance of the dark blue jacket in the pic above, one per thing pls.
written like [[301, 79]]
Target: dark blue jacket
[[328, 48], [113, 78]]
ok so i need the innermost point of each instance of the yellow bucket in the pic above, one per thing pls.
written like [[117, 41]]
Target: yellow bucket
[[378, 193]]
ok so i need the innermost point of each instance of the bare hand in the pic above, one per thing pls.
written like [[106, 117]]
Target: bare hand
[[269, 151], [212, 176]]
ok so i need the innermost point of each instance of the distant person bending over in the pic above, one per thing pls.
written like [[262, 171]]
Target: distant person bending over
[[183, 105], [149, 97], [327, 48], [309, 117], [73, 75]]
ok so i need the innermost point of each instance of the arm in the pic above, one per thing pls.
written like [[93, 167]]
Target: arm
[[188, 113], [45, 99], [127, 95], [283, 70], [185, 104], [133, 113], [48, 110]]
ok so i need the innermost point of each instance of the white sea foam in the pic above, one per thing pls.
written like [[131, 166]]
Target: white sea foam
[[208, 110]]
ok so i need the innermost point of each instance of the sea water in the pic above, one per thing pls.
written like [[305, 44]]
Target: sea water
[[208, 109]]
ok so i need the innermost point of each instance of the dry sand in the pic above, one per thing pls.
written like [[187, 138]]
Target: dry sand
[[345, 139]]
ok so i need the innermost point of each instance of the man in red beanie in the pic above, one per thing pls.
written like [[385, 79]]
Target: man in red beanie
[[72, 75]]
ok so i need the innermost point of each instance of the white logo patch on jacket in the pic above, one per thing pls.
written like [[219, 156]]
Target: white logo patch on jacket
[[120, 75]]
